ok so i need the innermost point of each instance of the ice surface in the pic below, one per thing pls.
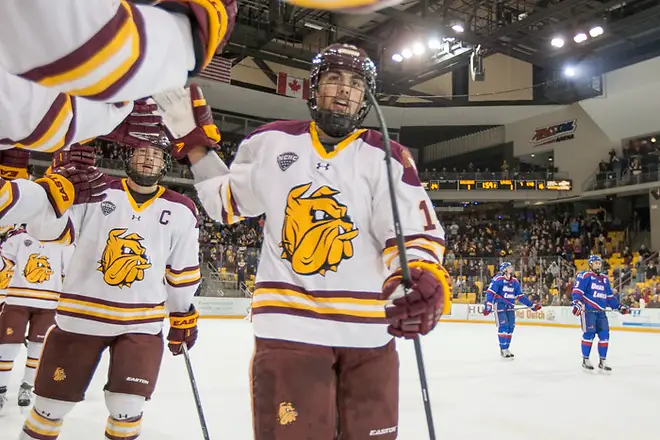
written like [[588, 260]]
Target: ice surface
[[543, 394]]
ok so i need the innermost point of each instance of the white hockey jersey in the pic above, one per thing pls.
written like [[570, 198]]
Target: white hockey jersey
[[37, 270], [328, 236], [82, 55], [129, 260]]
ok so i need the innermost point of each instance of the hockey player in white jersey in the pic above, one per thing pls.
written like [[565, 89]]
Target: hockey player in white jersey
[[135, 251], [325, 361], [32, 294]]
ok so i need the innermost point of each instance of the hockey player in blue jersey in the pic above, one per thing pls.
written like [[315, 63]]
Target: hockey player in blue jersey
[[501, 296], [592, 294]]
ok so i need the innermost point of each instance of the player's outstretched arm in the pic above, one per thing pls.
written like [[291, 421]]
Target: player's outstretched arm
[[36, 118], [226, 193], [417, 312], [45, 203], [112, 50]]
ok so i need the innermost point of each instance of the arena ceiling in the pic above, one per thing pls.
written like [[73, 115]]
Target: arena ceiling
[[270, 30]]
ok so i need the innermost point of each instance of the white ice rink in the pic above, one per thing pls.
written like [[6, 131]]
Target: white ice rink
[[543, 394]]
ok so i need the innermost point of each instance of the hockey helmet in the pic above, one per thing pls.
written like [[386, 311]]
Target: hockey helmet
[[337, 105], [595, 263], [505, 265], [146, 166]]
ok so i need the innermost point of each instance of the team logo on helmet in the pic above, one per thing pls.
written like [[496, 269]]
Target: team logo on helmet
[[286, 413], [124, 259], [6, 273], [317, 233], [37, 269]]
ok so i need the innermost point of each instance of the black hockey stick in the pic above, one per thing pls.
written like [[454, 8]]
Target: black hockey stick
[[403, 258], [193, 385]]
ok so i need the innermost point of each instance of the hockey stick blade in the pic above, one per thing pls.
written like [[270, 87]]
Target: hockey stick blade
[[195, 390], [403, 258]]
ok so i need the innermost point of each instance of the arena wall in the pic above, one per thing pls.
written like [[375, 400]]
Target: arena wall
[[639, 320]]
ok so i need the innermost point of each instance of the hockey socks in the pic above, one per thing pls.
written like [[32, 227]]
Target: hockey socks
[[128, 429], [602, 348], [505, 340], [8, 353], [38, 427], [32, 362], [586, 347]]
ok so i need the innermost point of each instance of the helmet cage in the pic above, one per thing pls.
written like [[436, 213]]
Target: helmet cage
[[340, 57], [150, 178]]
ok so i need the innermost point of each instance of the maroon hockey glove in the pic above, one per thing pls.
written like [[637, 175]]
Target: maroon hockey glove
[[188, 120], [624, 309], [536, 307], [73, 185], [77, 154], [140, 129], [14, 164], [417, 312], [212, 22], [183, 328]]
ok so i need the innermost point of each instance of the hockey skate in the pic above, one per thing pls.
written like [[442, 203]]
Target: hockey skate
[[602, 366], [3, 397], [25, 395], [586, 364], [506, 354]]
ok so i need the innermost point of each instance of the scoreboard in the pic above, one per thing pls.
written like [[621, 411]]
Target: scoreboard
[[498, 185]]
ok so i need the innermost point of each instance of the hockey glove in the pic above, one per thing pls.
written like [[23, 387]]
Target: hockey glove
[[140, 129], [578, 308], [535, 307], [73, 185], [488, 309], [416, 312], [211, 21], [624, 309], [188, 120], [183, 328], [78, 154], [14, 164]]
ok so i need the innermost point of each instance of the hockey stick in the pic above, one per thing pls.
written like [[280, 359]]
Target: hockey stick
[[193, 385], [403, 258]]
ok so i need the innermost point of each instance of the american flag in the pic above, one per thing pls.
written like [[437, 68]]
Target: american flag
[[218, 70]]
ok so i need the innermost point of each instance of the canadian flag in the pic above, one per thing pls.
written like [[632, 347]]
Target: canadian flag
[[292, 86]]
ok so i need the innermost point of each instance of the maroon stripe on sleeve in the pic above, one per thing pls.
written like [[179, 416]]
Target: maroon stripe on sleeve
[[130, 73], [45, 123], [84, 53]]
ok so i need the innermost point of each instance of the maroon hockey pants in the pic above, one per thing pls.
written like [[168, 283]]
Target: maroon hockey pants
[[309, 392]]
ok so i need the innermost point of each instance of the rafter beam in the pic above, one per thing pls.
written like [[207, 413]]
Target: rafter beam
[[535, 17], [269, 56], [265, 68], [435, 22]]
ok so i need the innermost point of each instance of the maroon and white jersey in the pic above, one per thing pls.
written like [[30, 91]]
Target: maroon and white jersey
[[61, 63], [37, 270], [132, 262], [328, 237]]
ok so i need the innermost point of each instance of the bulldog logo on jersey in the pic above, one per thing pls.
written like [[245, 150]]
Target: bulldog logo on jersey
[[6, 273], [317, 232], [37, 269], [124, 259]]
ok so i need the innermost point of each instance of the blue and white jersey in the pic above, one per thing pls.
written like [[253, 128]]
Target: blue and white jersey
[[504, 293], [594, 291]]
